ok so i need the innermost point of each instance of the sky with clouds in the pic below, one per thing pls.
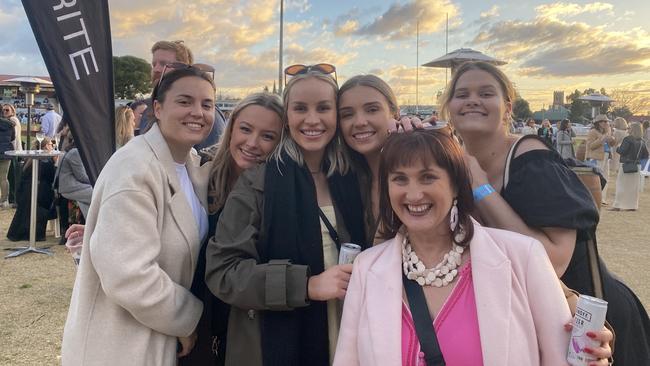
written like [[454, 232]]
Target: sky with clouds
[[549, 45]]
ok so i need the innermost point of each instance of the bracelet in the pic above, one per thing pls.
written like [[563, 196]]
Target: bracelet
[[481, 192]]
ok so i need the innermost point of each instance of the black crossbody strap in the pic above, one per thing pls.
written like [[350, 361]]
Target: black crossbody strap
[[423, 323], [333, 234]]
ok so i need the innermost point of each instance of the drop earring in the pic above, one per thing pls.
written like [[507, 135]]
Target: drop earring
[[453, 215]]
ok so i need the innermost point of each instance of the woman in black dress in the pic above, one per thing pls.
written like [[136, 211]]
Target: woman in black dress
[[19, 228], [536, 194]]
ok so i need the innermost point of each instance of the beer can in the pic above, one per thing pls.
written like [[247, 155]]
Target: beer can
[[348, 252], [590, 317]]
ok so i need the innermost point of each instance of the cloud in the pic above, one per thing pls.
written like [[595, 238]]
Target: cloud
[[402, 80], [302, 5], [346, 28], [547, 46], [292, 29], [399, 21], [564, 10], [296, 53], [492, 13]]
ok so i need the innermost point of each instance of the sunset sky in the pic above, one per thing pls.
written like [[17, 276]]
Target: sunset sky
[[549, 46]]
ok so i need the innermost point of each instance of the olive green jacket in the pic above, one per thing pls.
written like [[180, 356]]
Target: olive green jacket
[[234, 274]]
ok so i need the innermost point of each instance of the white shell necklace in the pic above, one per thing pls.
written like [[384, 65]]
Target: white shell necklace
[[440, 275]]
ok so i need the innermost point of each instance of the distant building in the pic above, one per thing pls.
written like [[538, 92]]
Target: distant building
[[554, 114], [227, 105], [558, 98], [10, 93], [421, 110]]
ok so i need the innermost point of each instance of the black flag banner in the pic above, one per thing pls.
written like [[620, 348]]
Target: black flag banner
[[74, 37]]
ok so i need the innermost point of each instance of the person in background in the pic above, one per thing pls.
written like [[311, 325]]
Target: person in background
[[166, 53], [545, 132], [138, 107], [73, 182], [644, 163], [50, 121], [561, 213], [7, 139], [124, 125], [530, 128], [632, 150], [619, 133], [131, 303], [9, 112], [19, 228], [599, 135], [564, 141]]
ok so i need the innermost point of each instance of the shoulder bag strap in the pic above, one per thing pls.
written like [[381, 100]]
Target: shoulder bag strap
[[330, 228], [636, 160], [423, 323], [511, 153]]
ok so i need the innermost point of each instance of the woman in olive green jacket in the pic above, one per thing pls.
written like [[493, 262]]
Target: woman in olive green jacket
[[272, 259]]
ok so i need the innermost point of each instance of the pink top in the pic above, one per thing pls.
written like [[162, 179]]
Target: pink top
[[456, 328]]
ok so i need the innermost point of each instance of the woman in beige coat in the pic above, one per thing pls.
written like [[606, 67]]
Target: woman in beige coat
[[619, 133], [599, 135], [131, 303]]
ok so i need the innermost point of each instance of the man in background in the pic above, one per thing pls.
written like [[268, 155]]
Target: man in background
[[50, 121], [167, 52]]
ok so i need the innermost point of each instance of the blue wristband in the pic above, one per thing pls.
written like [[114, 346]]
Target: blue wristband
[[481, 192]]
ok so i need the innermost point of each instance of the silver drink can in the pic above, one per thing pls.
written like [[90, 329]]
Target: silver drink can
[[348, 252], [590, 317]]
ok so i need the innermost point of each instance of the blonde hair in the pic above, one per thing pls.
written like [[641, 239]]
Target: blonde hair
[[620, 123], [183, 54], [12, 108], [636, 130], [222, 175], [507, 89], [123, 125], [335, 155]]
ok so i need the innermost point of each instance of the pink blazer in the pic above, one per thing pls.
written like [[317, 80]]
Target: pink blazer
[[520, 306]]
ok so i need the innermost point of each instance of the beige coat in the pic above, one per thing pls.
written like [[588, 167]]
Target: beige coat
[[131, 300], [596, 144]]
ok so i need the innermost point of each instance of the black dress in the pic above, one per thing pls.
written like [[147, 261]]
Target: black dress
[[19, 228], [561, 200], [210, 347]]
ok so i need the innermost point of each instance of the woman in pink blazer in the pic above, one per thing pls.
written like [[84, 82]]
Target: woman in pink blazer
[[493, 294]]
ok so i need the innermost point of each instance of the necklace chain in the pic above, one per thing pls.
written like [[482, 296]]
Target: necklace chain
[[440, 275]]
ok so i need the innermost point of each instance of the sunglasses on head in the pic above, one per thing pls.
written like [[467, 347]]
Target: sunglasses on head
[[181, 66], [298, 69]]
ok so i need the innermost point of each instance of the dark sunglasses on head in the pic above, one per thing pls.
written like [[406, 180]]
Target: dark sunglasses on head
[[325, 69], [181, 66]]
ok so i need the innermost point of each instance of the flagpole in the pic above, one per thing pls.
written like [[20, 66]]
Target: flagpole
[[280, 84], [417, 67], [446, 45]]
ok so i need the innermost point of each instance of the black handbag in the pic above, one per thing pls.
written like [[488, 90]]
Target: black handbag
[[630, 167], [633, 166]]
